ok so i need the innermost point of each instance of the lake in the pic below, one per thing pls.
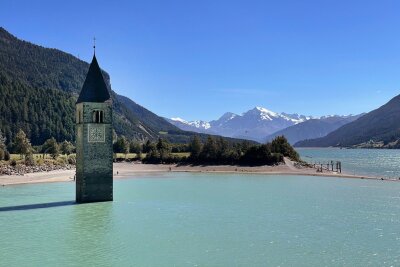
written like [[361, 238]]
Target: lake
[[187, 219], [372, 162]]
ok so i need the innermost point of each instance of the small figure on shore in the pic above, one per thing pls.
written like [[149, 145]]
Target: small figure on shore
[[117, 172]]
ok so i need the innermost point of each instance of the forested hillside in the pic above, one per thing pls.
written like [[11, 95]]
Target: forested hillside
[[314, 128], [43, 113], [381, 125], [38, 90]]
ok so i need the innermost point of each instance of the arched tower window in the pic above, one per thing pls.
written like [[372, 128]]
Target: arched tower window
[[98, 116]]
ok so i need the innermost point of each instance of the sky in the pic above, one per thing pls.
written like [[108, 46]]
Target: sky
[[199, 59]]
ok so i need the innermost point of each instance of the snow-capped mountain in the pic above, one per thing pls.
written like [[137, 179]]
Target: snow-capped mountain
[[254, 124], [194, 126], [260, 124]]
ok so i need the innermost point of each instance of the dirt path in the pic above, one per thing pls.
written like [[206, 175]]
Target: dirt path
[[290, 164]]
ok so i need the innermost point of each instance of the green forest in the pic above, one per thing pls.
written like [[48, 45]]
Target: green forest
[[217, 151], [38, 90]]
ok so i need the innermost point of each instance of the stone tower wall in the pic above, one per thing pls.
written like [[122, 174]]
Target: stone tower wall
[[94, 169]]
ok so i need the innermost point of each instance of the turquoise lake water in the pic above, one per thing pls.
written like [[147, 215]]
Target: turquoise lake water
[[373, 162], [183, 219]]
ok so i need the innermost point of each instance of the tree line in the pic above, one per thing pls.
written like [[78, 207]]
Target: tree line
[[215, 150], [21, 145]]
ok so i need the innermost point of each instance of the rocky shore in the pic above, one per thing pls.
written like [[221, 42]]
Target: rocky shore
[[21, 169]]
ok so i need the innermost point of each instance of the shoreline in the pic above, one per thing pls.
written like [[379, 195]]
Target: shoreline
[[131, 170]]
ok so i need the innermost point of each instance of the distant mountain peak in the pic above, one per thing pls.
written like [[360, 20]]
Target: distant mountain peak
[[224, 118], [228, 116], [179, 119], [198, 124], [261, 113], [264, 110], [265, 114]]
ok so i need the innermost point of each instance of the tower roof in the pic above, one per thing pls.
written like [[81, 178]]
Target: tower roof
[[94, 88]]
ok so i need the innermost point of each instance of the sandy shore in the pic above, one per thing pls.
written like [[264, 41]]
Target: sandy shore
[[131, 170]]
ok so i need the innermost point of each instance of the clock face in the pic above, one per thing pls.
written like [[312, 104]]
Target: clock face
[[96, 134]]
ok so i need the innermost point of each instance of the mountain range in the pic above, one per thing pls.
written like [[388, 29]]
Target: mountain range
[[254, 124], [260, 124], [313, 128], [378, 128]]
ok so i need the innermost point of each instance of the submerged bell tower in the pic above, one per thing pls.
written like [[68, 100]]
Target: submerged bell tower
[[94, 154]]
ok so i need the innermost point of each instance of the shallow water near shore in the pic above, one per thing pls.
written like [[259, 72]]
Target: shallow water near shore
[[371, 162], [187, 219]]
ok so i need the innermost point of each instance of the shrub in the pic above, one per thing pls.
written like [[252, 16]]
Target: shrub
[[29, 160], [40, 161], [13, 163], [7, 156], [61, 161], [72, 159]]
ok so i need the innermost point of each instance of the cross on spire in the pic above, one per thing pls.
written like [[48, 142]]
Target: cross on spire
[[94, 45]]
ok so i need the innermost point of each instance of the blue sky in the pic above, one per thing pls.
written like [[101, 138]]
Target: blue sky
[[199, 59]]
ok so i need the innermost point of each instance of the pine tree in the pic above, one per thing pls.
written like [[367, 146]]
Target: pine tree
[[164, 149], [3, 148], [281, 145], [195, 147], [147, 146], [67, 148], [51, 147], [121, 145], [135, 147], [209, 152], [22, 144]]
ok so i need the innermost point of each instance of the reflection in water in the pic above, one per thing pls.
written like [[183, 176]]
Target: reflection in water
[[38, 206]]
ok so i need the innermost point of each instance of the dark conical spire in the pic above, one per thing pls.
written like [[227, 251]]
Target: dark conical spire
[[94, 88]]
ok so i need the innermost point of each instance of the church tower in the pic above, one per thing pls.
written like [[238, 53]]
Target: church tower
[[94, 154]]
